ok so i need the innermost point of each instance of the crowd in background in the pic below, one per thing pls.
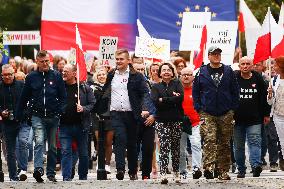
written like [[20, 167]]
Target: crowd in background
[[147, 106]]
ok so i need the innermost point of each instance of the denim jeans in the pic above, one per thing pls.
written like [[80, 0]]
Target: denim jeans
[[125, 127], [66, 135], [10, 131], [195, 140], [31, 146], [45, 127], [22, 147], [253, 135]]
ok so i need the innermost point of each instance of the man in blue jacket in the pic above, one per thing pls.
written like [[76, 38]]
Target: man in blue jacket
[[44, 89], [216, 96], [124, 92]]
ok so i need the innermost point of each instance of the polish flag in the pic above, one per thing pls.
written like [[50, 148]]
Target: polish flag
[[95, 18], [278, 50], [200, 57], [248, 24], [80, 59], [270, 36]]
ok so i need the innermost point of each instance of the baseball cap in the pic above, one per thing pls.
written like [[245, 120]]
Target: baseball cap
[[214, 49]]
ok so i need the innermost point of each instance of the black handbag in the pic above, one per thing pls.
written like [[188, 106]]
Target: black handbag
[[186, 125]]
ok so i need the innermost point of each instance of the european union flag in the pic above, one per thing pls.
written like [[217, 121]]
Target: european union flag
[[5, 58], [163, 18]]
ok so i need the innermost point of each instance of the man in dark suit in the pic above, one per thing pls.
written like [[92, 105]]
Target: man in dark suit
[[124, 92]]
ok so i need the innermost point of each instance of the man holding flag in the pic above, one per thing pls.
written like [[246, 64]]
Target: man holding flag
[[75, 123]]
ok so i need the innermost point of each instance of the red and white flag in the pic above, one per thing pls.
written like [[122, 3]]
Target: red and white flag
[[270, 36], [246, 18], [278, 50], [80, 59], [200, 57], [248, 24], [95, 18]]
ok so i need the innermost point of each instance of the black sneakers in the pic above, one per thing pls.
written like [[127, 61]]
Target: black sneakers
[[241, 175], [120, 175], [38, 173], [256, 171], [208, 174], [133, 177], [196, 173], [51, 178]]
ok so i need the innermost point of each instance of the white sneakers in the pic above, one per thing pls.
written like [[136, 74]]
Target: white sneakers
[[107, 168]]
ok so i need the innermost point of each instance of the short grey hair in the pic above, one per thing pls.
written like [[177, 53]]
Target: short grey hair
[[7, 66]]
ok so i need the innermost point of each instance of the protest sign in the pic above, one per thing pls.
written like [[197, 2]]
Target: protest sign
[[21, 38], [108, 46], [222, 34], [152, 48], [190, 34], [71, 59]]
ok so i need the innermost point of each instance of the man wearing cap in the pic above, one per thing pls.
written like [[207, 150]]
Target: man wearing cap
[[216, 96]]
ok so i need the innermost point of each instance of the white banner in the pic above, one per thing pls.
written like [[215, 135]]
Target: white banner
[[108, 46], [191, 30], [21, 38], [152, 48], [222, 34]]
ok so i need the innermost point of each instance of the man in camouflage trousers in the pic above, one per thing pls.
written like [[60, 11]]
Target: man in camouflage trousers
[[216, 96]]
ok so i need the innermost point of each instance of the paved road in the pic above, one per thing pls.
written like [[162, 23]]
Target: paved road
[[266, 180]]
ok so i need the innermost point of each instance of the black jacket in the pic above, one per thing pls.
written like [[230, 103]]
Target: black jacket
[[137, 92], [46, 93], [87, 100], [15, 89], [170, 109], [264, 107]]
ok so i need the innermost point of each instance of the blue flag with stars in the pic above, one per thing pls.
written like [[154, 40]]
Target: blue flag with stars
[[163, 18]]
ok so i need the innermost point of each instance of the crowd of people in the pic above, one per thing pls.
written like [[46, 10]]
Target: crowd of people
[[159, 107]]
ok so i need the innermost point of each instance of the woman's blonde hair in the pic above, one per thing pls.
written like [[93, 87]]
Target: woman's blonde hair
[[99, 69]]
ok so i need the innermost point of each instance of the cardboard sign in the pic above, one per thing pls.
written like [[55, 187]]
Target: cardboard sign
[[108, 46], [71, 59], [191, 31], [152, 48], [21, 38], [222, 34]]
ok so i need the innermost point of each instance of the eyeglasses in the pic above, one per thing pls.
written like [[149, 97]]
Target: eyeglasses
[[186, 75], [7, 75], [44, 61]]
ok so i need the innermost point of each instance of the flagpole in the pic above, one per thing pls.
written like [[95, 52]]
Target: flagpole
[[78, 72], [78, 83], [269, 59]]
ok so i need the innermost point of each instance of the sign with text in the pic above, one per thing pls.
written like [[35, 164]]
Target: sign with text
[[71, 59], [108, 46], [222, 34], [152, 48], [191, 31], [21, 38]]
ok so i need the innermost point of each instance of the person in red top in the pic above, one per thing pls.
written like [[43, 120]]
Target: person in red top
[[195, 139]]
